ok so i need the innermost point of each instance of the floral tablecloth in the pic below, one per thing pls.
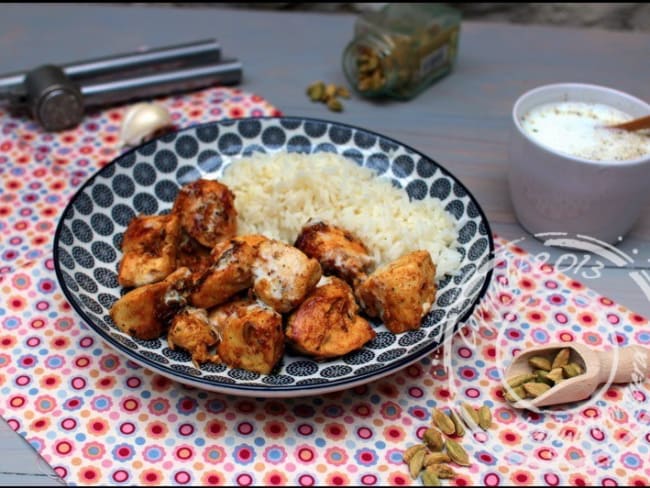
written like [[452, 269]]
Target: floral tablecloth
[[98, 418]]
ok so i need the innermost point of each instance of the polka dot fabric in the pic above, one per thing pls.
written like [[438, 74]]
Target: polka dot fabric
[[98, 418]]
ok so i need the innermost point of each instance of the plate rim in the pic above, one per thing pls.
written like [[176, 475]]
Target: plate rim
[[268, 391]]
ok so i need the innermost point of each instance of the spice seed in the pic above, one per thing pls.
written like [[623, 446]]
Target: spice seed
[[572, 369], [458, 423], [469, 414], [430, 479], [562, 358], [541, 376], [484, 417], [442, 471], [436, 458], [457, 453], [443, 422], [411, 451], [416, 463], [555, 375], [364, 84], [540, 362], [517, 394], [342, 91], [433, 439], [316, 91], [334, 105], [330, 91], [520, 379], [536, 389]]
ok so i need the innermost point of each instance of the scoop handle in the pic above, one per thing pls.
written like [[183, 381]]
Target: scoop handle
[[632, 364]]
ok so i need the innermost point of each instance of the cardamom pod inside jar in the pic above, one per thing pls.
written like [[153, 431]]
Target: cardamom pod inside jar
[[401, 49]]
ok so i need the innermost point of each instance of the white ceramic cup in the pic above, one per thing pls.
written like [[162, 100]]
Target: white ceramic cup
[[555, 192]]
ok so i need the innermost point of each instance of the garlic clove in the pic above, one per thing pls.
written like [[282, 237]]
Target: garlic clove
[[141, 121]]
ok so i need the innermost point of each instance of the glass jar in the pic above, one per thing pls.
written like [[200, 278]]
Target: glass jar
[[401, 49]]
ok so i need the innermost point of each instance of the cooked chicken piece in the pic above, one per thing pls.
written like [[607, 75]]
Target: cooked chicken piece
[[252, 239], [283, 275], [207, 211], [338, 251], [145, 312], [192, 254], [191, 330], [231, 273], [327, 324], [149, 250], [401, 292], [251, 335]]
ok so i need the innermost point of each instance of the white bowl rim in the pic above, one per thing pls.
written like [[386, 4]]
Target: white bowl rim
[[602, 163]]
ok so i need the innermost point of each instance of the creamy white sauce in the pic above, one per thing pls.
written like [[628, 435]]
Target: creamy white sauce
[[324, 280], [173, 297], [578, 129], [273, 269]]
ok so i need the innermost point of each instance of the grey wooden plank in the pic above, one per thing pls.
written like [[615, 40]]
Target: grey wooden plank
[[496, 62], [462, 121]]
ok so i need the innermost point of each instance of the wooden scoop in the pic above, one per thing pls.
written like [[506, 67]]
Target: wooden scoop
[[634, 124], [631, 363]]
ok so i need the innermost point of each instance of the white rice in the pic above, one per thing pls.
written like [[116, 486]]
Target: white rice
[[276, 194]]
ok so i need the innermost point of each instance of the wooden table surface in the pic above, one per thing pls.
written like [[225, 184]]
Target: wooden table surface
[[462, 122]]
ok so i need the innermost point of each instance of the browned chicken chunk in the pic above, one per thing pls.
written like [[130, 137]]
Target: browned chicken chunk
[[401, 292], [231, 273], [192, 254], [327, 324], [191, 330], [252, 239], [338, 251], [283, 275], [145, 312], [248, 240], [251, 335], [149, 250], [207, 211]]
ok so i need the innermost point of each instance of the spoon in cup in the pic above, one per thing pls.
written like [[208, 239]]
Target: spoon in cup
[[624, 365], [639, 123]]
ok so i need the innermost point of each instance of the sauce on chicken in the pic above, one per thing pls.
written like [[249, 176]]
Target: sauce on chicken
[[239, 299]]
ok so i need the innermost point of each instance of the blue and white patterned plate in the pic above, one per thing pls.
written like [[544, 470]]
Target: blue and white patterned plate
[[146, 180]]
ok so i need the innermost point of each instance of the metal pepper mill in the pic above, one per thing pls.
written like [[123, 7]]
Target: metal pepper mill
[[58, 96]]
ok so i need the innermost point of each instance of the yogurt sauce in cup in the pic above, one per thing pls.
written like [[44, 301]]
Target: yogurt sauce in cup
[[578, 129]]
